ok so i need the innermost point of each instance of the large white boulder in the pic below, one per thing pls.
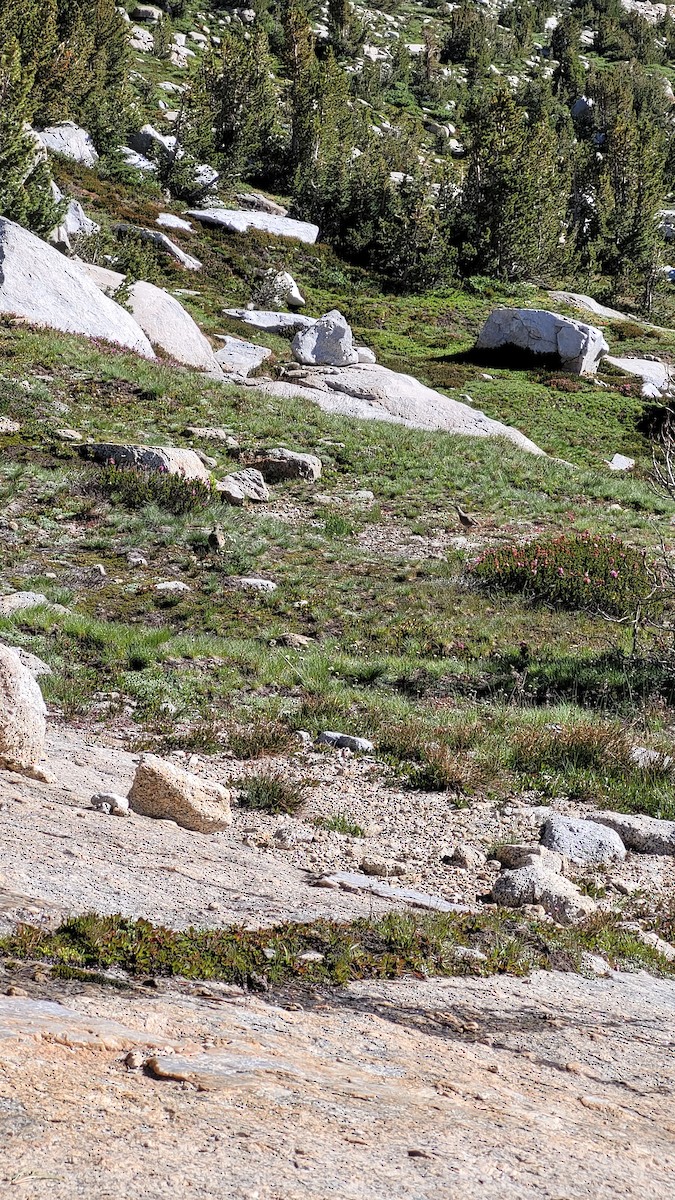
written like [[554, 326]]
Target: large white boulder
[[239, 221], [39, 284], [578, 346], [163, 319], [371, 392], [169, 460], [71, 141], [327, 343], [23, 723]]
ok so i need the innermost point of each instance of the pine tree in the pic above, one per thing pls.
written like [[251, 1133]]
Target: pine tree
[[302, 68], [515, 193], [25, 184], [244, 106], [568, 73], [630, 181]]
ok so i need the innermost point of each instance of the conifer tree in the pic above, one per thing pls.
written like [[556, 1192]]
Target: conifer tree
[[25, 184], [515, 194]]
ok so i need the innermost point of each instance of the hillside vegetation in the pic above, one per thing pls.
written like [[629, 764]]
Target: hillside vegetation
[[455, 158]]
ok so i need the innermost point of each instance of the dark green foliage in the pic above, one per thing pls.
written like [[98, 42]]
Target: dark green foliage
[[396, 945], [269, 792], [135, 489], [74, 60], [581, 571], [25, 184]]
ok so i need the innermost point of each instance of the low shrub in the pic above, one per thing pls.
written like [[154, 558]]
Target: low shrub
[[572, 571], [261, 736], [585, 746], [563, 383], [340, 823], [136, 489], [269, 792]]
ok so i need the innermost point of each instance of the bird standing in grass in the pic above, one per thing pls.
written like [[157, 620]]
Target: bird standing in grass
[[217, 538], [465, 520]]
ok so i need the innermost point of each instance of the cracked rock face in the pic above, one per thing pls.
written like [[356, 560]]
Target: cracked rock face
[[23, 724]]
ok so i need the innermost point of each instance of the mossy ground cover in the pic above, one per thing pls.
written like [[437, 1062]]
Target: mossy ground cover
[[386, 948]]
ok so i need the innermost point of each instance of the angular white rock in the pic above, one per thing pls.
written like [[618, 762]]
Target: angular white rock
[[171, 221], [249, 483], [240, 357], [279, 464], [619, 462], [273, 322], [287, 291], [578, 346], [66, 298], [656, 374], [328, 342], [239, 221], [23, 723], [345, 741], [71, 141]]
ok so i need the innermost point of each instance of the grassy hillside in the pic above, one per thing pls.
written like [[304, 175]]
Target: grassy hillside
[[457, 686]]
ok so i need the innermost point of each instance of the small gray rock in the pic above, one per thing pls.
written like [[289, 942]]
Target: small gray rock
[[531, 885], [344, 741], [514, 856], [582, 842], [111, 802], [280, 464], [244, 485], [251, 583]]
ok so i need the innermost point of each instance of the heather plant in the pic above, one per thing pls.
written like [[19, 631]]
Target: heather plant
[[579, 571], [135, 489]]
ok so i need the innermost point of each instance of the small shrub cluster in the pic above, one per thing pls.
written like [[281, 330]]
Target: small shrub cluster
[[269, 792], [572, 571], [135, 489], [584, 746], [396, 945], [340, 823], [261, 736], [563, 383]]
